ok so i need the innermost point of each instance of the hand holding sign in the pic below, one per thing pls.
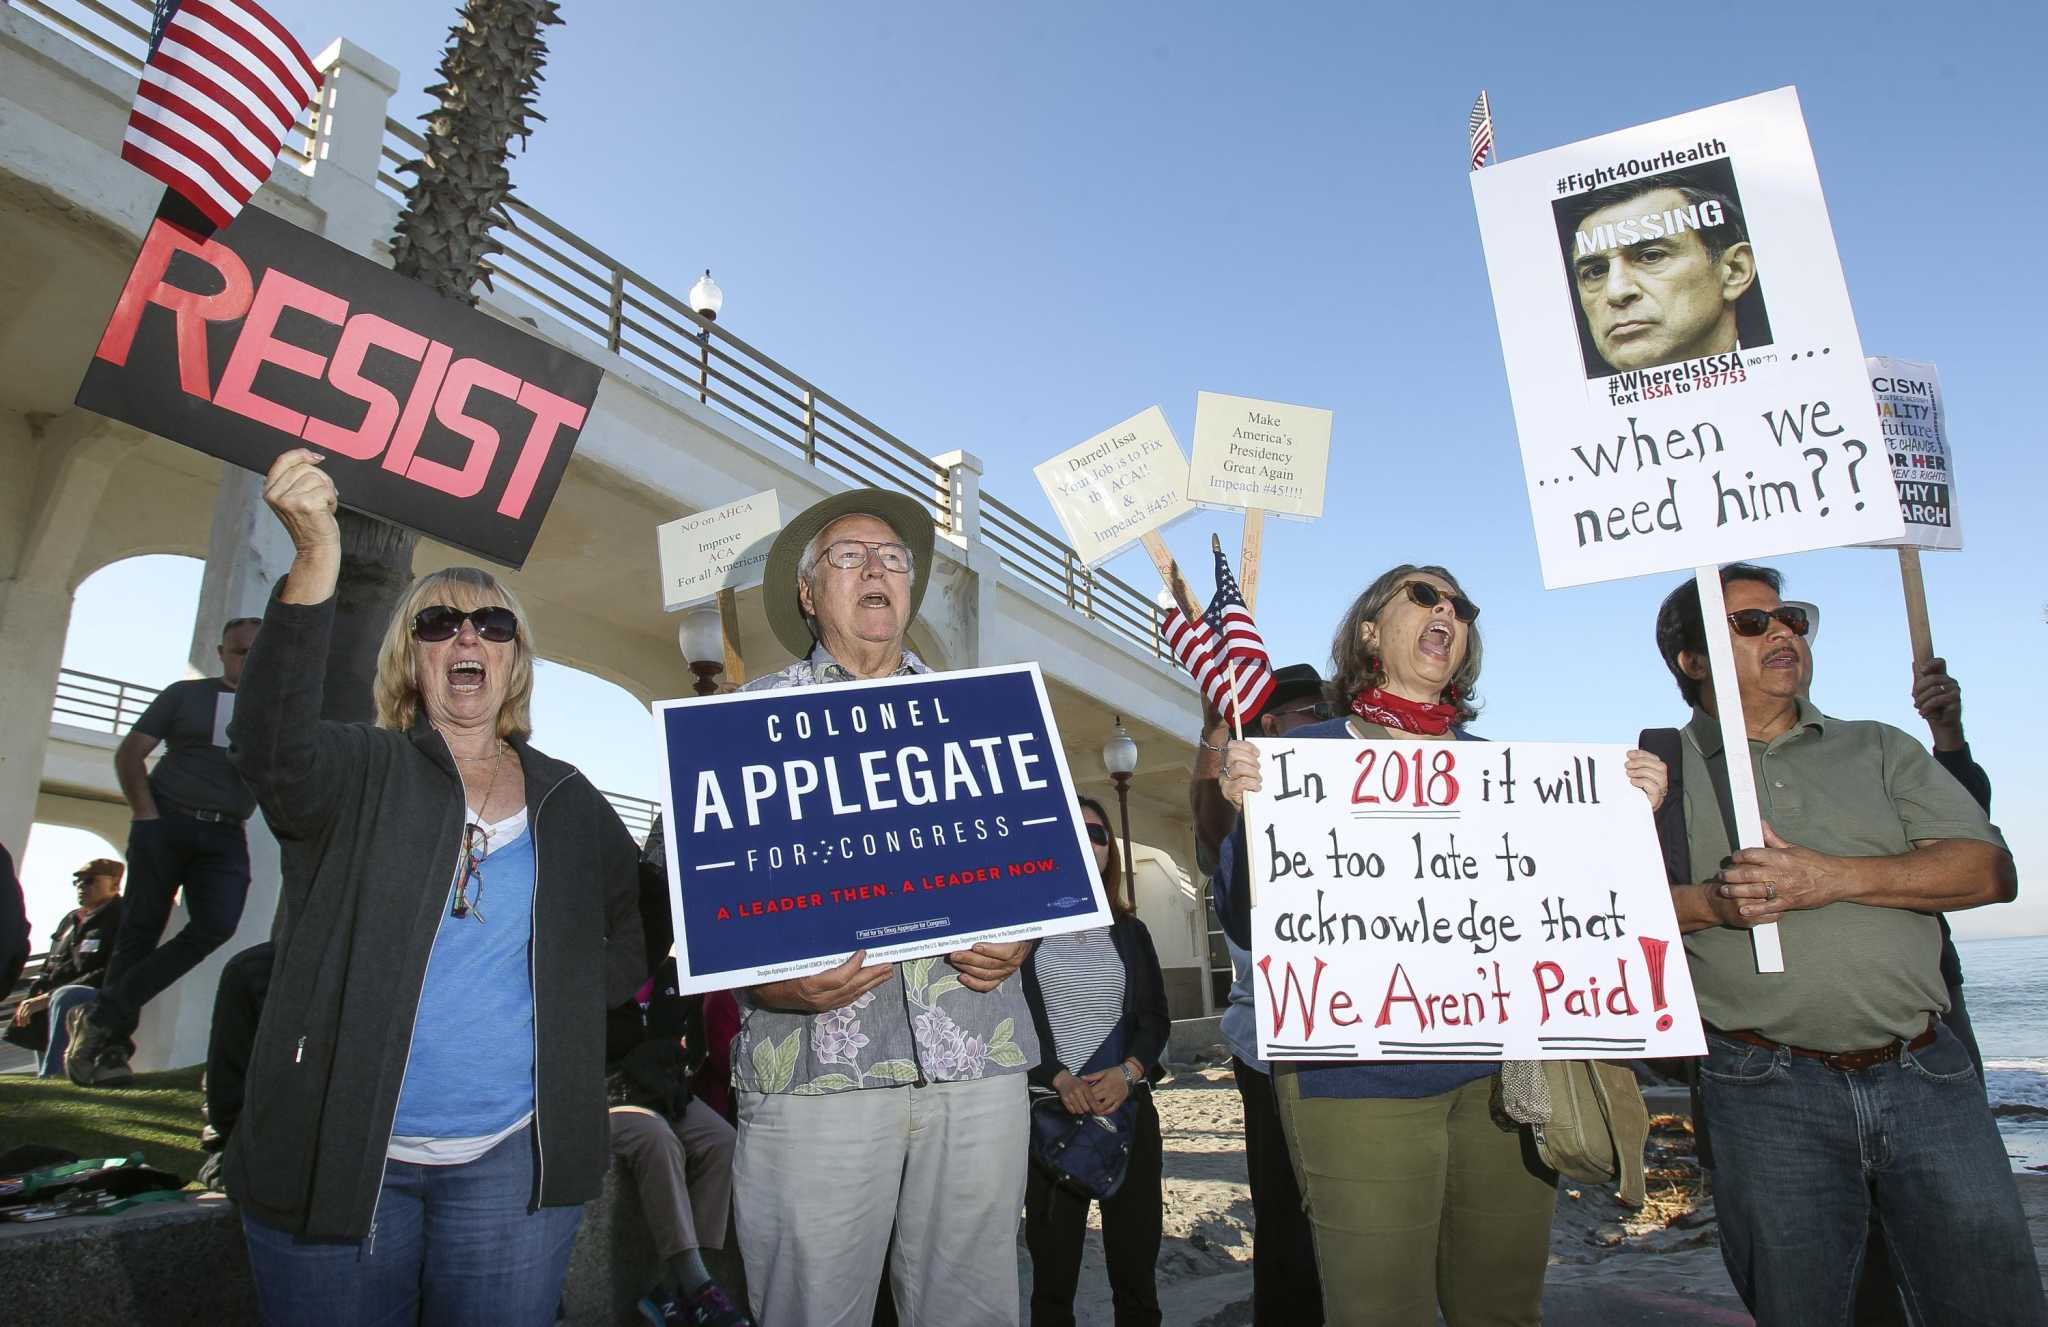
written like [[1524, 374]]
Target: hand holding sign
[[822, 992], [303, 496]]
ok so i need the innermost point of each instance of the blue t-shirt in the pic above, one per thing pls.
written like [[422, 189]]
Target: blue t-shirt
[[470, 1070]]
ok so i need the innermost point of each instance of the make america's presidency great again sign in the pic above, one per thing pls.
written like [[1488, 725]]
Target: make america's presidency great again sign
[[1687, 380], [907, 816], [265, 337], [1460, 900]]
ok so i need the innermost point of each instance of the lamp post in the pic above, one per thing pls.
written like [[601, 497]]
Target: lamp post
[[1120, 758], [702, 637], [707, 299]]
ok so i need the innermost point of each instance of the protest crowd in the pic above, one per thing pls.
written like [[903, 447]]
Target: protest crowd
[[483, 997], [418, 1146]]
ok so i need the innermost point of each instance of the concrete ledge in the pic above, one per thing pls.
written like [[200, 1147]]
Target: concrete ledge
[[1193, 1038], [165, 1265]]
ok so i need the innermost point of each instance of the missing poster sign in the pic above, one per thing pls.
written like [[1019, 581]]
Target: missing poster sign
[[1688, 384]]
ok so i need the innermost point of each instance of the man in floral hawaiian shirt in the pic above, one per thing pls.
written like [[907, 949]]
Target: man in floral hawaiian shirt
[[884, 1097]]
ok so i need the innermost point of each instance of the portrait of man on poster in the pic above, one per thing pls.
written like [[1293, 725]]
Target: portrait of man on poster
[[1662, 270]]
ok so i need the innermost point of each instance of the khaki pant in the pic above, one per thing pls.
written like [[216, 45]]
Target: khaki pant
[[1418, 1204], [683, 1172], [821, 1181]]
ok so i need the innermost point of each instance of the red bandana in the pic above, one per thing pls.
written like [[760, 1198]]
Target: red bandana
[[1410, 716]]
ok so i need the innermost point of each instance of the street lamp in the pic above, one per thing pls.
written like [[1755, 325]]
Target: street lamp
[[707, 299], [702, 636], [1120, 758]]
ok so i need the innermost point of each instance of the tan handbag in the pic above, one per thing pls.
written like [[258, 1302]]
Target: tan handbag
[[1587, 1117]]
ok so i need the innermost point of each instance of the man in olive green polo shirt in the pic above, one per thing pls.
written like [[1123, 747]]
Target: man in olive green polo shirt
[[1833, 1090]]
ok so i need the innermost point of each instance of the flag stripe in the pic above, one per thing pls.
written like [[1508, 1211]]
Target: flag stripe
[[197, 188], [256, 82], [171, 104], [280, 39], [293, 78], [199, 76], [178, 138]]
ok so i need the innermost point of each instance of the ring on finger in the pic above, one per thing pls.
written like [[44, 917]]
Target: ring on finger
[[1771, 892]]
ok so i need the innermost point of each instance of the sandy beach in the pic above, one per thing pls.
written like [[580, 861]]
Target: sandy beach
[[1609, 1266]]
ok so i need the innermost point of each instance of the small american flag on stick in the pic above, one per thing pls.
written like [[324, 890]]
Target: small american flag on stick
[[1222, 649], [223, 83], [1482, 130]]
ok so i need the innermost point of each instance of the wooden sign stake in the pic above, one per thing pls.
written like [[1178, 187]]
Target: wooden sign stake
[[1248, 557], [729, 628], [1916, 606], [1749, 821]]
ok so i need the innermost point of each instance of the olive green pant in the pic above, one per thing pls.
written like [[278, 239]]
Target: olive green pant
[[1420, 1203]]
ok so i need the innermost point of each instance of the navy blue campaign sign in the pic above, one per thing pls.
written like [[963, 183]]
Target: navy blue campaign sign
[[907, 816]]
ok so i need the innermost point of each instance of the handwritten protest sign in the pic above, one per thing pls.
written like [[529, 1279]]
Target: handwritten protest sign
[[266, 337], [1120, 485], [1688, 384], [725, 548], [1915, 427], [1460, 900], [1265, 455], [907, 816]]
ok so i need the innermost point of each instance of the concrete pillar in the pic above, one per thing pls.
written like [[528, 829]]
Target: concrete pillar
[[247, 554], [348, 148], [64, 466], [963, 494]]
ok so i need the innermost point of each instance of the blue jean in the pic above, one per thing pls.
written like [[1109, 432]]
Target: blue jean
[[210, 863], [62, 1001], [451, 1246], [1805, 1155]]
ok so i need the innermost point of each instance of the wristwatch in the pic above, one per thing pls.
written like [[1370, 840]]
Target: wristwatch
[[1130, 1079]]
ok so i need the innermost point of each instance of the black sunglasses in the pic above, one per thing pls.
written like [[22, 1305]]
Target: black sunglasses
[[440, 622], [1756, 621], [1098, 835], [1426, 595]]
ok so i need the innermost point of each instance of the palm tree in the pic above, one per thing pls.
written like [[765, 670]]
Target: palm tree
[[490, 72]]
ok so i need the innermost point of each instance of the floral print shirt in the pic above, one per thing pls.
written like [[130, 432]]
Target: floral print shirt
[[922, 1025]]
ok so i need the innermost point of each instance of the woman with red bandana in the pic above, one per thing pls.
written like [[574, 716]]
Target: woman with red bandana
[[1419, 1199]]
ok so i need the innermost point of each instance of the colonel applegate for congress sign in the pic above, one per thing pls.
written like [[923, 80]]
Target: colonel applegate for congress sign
[[908, 816]]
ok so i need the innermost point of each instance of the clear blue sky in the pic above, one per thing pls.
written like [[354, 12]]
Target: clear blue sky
[[1006, 228]]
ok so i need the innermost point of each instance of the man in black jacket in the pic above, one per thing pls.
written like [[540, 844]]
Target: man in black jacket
[[79, 951]]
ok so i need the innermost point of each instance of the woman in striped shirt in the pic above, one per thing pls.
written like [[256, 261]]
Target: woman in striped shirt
[[1099, 1003]]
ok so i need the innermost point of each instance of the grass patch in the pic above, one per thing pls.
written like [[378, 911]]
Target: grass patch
[[158, 1117]]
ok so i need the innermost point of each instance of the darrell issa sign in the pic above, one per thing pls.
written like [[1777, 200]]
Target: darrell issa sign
[[265, 337]]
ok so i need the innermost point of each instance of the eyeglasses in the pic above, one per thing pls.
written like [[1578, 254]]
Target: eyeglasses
[[441, 622], [1098, 835], [476, 845], [1428, 596], [853, 554], [1321, 709], [1756, 621]]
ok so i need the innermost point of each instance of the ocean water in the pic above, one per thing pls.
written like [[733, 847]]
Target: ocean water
[[2005, 984]]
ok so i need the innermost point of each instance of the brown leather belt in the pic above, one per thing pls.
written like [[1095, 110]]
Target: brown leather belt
[[1845, 1061]]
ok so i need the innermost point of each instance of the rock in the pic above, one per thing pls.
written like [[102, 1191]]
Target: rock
[[1608, 1234]]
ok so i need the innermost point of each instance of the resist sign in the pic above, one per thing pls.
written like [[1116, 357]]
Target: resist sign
[[1461, 900], [907, 816], [266, 337]]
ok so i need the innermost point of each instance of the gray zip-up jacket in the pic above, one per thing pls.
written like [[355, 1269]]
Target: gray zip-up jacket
[[921, 1026], [370, 825]]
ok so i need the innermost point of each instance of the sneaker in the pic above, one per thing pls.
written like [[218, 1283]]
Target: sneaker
[[661, 1309], [81, 1057], [113, 1070], [712, 1307]]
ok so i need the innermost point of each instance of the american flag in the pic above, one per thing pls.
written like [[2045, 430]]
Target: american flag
[[222, 84], [1222, 648], [1482, 130]]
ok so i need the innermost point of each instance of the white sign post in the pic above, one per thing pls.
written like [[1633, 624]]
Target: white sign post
[[1461, 900], [1120, 485], [1916, 437], [724, 549], [1688, 384], [1261, 456]]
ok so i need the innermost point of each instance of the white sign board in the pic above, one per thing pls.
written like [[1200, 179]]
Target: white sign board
[[1915, 427], [1687, 380], [1461, 900], [1263, 454], [1118, 486], [722, 549]]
